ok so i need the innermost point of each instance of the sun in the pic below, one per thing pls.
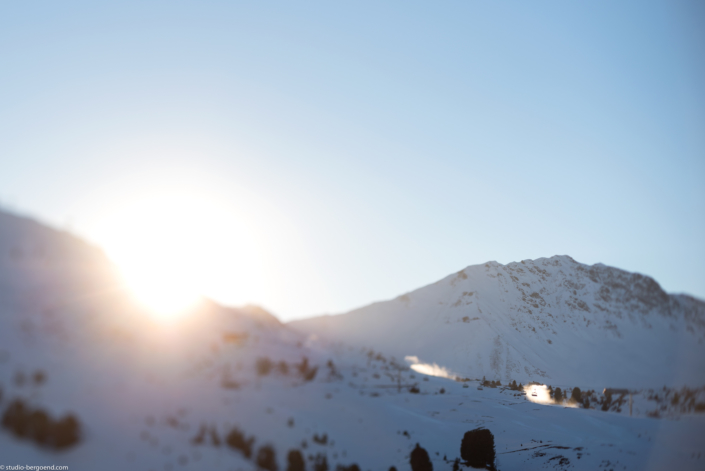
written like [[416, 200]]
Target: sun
[[158, 256], [174, 248], [163, 291]]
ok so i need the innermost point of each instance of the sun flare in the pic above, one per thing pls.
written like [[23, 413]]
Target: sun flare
[[174, 248], [165, 294]]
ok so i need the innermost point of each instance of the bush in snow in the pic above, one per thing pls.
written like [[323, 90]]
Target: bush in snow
[[237, 441], [295, 461], [264, 366], [66, 432], [320, 462], [40, 427], [266, 458], [306, 371], [352, 467], [419, 460], [477, 449]]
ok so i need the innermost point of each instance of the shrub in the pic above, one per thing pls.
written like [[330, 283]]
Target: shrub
[[215, 438], [307, 372], [14, 418], [477, 449], [237, 441], [264, 366], [266, 458], [39, 377], [419, 460], [607, 402], [200, 436], [38, 426], [352, 467], [66, 432], [295, 461], [320, 462]]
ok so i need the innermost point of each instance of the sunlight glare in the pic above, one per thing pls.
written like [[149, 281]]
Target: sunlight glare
[[428, 369], [543, 396], [173, 248]]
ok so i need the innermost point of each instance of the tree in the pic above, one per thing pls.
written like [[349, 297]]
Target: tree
[[558, 395], [576, 395], [295, 461], [676, 398], [419, 460], [477, 449]]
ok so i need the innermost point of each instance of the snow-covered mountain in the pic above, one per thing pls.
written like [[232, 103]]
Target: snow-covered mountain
[[550, 320], [90, 380]]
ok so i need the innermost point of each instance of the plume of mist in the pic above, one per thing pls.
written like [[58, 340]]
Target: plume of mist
[[429, 369]]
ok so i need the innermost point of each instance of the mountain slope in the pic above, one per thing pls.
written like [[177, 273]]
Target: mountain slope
[[551, 319], [234, 389]]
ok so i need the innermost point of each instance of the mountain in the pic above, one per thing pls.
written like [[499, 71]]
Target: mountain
[[90, 379], [550, 320]]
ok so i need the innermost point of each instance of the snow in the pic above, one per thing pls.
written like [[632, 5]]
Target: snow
[[551, 320], [142, 390]]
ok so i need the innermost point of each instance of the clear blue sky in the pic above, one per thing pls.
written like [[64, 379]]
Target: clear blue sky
[[367, 148]]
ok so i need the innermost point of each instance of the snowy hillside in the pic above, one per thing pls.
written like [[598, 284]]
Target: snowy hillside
[[90, 380], [545, 320]]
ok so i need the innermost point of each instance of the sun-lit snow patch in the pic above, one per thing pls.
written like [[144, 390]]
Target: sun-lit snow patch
[[430, 369], [540, 395]]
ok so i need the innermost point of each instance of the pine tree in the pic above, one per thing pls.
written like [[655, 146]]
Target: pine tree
[[419, 460], [558, 395], [576, 395]]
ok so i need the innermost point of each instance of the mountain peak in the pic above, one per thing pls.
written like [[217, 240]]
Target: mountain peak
[[537, 319]]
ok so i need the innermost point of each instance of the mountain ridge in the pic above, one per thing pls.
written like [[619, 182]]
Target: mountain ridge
[[516, 317]]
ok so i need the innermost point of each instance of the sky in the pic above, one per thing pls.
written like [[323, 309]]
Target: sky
[[313, 157]]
